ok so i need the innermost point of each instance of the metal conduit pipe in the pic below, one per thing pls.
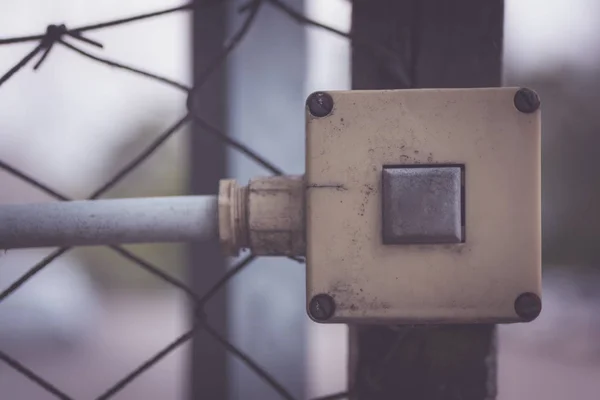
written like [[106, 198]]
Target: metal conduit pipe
[[107, 222]]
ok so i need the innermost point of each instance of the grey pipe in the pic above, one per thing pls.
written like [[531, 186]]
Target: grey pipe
[[107, 222]]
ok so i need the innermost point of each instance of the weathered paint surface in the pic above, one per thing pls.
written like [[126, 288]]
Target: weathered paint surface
[[474, 281]]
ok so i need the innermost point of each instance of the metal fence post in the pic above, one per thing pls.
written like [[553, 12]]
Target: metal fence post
[[208, 377], [439, 44]]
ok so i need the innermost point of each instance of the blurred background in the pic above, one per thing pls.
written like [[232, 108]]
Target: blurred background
[[91, 317]]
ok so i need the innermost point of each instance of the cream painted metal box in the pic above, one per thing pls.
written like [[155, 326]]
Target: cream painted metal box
[[483, 267]]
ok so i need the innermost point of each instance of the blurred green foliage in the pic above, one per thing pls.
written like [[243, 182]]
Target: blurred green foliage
[[163, 174]]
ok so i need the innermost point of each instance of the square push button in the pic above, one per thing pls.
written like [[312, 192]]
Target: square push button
[[422, 204]]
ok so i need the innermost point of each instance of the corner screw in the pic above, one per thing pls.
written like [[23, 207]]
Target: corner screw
[[528, 306], [321, 307], [526, 100], [319, 104]]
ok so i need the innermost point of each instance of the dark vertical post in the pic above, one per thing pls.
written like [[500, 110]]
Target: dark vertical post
[[207, 165], [441, 44]]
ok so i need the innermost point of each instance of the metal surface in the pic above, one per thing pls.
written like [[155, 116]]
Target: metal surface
[[267, 216], [276, 215], [321, 307], [319, 104], [528, 306], [421, 205], [472, 282], [440, 44], [233, 213], [208, 374], [104, 222], [527, 100]]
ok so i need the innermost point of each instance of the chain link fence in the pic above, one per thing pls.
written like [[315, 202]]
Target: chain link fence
[[76, 40]]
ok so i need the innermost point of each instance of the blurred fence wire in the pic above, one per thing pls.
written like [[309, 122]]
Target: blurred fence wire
[[78, 40]]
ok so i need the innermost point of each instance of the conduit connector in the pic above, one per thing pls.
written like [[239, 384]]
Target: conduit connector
[[267, 216]]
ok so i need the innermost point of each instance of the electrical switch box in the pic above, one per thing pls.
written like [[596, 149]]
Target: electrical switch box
[[423, 206]]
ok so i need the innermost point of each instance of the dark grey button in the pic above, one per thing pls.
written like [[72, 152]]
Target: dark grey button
[[422, 204]]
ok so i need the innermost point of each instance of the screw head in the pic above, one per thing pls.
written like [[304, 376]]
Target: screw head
[[321, 307], [320, 104], [527, 100], [528, 306]]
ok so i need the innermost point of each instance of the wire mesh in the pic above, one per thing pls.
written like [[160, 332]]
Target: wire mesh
[[75, 39]]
